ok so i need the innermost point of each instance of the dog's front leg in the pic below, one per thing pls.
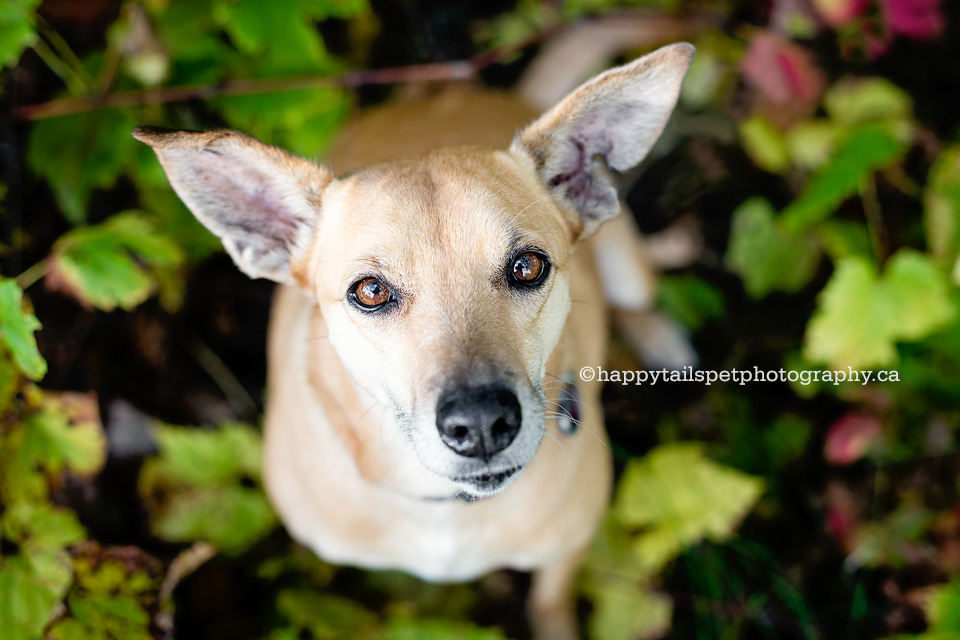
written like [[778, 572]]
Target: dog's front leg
[[551, 602]]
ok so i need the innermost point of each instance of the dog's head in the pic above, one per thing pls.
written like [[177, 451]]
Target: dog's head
[[442, 278]]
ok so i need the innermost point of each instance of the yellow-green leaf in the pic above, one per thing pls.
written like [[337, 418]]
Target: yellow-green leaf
[[681, 497], [16, 331]]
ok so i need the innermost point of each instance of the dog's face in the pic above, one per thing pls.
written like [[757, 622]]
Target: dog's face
[[443, 283], [442, 278]]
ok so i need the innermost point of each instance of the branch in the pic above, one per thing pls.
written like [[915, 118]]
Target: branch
[[247, 86], [453, 70]]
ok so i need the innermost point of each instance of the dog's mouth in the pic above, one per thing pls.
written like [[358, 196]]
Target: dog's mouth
[[482, 485]]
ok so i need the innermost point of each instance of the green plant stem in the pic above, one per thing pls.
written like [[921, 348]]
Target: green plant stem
[[32, 275], [236, 395], [64, 51], [874, 215], [74, 82]]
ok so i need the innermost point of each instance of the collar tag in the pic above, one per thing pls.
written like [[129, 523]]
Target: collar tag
[[569, 419]]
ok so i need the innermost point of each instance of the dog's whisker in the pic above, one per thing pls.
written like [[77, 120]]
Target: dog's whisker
[[552, 195]]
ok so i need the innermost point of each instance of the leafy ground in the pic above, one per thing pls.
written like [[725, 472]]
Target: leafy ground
[[816, 153]]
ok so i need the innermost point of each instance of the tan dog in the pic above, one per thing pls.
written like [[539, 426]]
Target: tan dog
[[437, 309]]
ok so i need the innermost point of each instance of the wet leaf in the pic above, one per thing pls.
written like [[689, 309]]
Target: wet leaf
[[16, 331]]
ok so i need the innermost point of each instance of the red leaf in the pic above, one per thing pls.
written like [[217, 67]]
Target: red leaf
[[849, 438], [782, 71], [920, 19]]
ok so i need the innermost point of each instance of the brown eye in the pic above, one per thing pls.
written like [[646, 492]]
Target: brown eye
[[529, 268], [370, 293]]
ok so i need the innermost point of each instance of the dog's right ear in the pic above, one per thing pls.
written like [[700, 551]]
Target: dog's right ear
[[260, 200]]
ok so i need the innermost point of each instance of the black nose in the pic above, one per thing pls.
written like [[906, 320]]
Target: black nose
[[478, 423]]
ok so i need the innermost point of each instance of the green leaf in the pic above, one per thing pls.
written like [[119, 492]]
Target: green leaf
[[9, 382], [811, 143], [621, 614], [858, 100], [116, 263], [324, 615], [303, 122], [766, 258], [403, 629], [850, 326], [41, 527], [95, 616], [689, 300], [860, 316], [864, 151], [681, 497], [16, 331], [279, 32], [81, 153], [210, 457], [765, 144], [65, 433], [617, 582], [893, 541], [197, 488], [17, 30], [843, 239], [31, 588], [941, 207], [56, 444], [919, 296], [943, 611], [232, 518]]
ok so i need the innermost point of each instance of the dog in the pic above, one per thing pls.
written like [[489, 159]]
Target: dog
[[439, 296]]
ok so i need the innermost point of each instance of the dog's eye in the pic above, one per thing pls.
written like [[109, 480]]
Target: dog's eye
[[529, 269], [370, 293]]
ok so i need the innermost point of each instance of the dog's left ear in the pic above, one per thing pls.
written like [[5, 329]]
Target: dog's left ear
[[262, 201], [611, 122]]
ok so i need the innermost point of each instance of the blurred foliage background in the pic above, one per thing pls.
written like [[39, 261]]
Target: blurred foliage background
[[815, 154]]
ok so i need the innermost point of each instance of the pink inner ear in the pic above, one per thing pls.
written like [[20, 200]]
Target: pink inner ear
[[247, 200]]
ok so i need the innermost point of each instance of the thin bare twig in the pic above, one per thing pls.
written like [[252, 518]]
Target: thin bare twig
[[453, 70]]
